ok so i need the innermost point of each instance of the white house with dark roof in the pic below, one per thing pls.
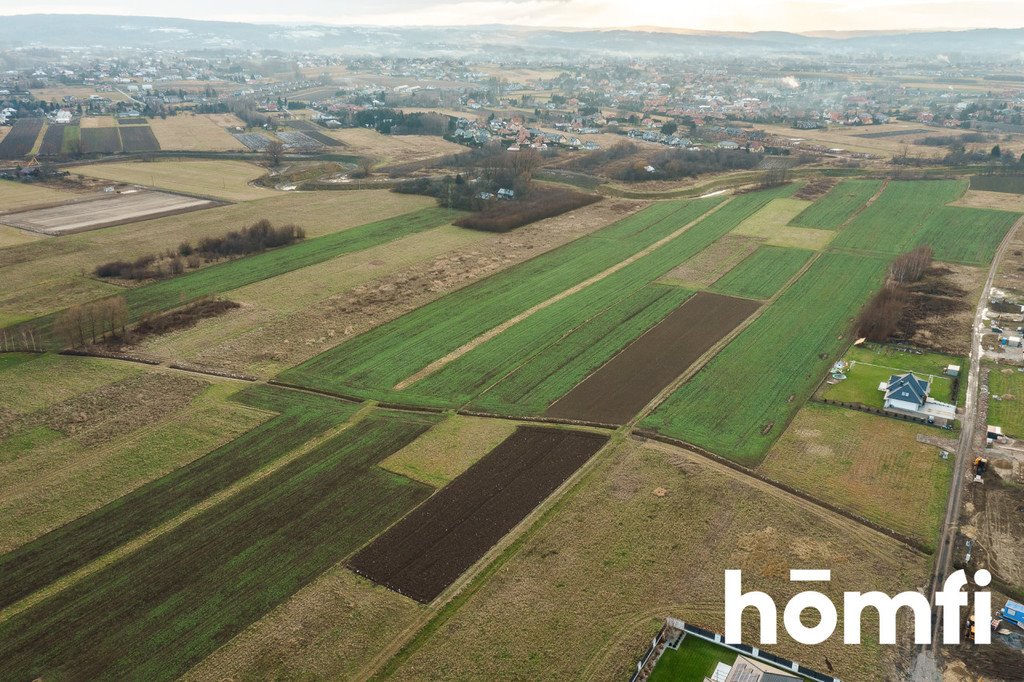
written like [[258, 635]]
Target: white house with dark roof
[[906, 394]]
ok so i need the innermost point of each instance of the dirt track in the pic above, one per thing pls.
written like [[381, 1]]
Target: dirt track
[[432, 546], [630, 380]]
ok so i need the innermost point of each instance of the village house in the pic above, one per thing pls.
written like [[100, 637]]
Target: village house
[[907, 395]]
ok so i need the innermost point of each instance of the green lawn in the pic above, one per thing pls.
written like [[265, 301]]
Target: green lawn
[[694, 660], [763, 273], [872, 364], [69, 547], [740, 402], [1008, 411], [836, 207], [159, 611]]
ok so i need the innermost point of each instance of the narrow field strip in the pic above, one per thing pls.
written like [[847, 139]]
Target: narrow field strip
[[73, 546], [763, 274], [839, 205], [552, 372], [795, 339], [382, 357], [629, 381], [233, 274], [468, 376], [370, 365], [430, 548], [168, 605], [490, 334]]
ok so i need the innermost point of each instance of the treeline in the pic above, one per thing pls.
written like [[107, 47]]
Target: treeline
[[490, 168], [881, 317], [397, 122], [507, 215], [106, 321], [259, 236], [92, 322], [952, 140], [598, 158], [673, 164]]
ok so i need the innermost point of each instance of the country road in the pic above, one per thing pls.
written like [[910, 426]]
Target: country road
[[927, 666]]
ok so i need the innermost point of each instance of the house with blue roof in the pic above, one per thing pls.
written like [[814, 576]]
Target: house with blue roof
[[907, 395]]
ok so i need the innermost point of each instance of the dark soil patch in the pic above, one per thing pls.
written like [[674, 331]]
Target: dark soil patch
[[815, 189], [430, 548], [630, 380]]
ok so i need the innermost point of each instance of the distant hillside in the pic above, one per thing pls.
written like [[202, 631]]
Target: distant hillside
[[122, 31]]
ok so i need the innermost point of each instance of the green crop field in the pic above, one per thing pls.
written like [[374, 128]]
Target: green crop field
[[740, 402], [384, 356], [763, 273], [372, 364], [911, 213], [162, 609], [556, 368], [233, 274], [965, 235], [836, 207], [62, 551], [465, 377]]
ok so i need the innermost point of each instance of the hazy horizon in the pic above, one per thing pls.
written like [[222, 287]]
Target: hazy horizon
[[798, 16]]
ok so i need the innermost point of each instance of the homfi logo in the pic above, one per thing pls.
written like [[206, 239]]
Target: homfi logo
[[951, 598]]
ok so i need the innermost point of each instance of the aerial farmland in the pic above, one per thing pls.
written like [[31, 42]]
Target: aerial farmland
[[318, 368]]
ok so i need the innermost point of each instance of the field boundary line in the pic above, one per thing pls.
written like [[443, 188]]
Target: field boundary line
[[909, 542], [170, 525], [474, 578], [440, 363]]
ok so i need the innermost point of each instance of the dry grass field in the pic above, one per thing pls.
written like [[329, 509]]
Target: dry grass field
[[80, 91], [771, 225], [101, 429], [274, 303], [51, 274], [194, 133], [12, 236], [709, 265], [583, 592], [217, 178], [1002, 201], [226, 120], [265, 345], [863, 463], [98, 122], [388, 149], [15, 196], [448, 449], [851, 138], [330, 629]]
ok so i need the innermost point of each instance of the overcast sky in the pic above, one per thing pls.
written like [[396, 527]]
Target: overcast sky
[[719, 15]]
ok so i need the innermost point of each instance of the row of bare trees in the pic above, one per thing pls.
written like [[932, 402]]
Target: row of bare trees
[[881, 317], [90, 323]]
